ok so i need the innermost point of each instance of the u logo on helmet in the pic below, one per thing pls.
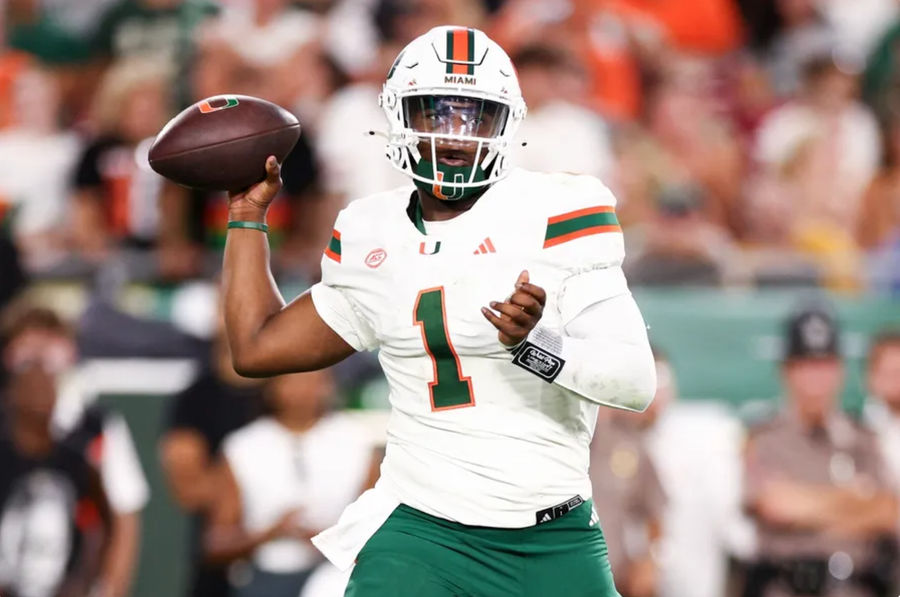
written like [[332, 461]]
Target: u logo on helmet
[[206, 106]]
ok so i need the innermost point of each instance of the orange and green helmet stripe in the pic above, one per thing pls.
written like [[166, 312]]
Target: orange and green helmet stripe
[[582, 222], [461, 51], [333, 249]]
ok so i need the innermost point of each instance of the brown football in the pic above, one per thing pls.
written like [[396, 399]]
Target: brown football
[[221, 143]]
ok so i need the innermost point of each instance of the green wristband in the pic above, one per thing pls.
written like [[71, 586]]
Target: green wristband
[[249, 225]]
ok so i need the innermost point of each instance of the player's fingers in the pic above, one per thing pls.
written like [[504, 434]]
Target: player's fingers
[[536, 291], [515, 313], [273, 170], [490, 316], [523, 278], [527, 302], [505, 326]]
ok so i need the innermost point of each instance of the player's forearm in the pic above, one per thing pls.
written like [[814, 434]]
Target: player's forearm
[[610, 373], [251, 296], [607, 356]]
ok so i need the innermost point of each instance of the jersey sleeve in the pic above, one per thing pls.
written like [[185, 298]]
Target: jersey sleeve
[[582, 231], [582, 237], [333, 296]]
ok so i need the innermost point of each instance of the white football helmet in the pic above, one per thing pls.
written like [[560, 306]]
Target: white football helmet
[[457, 85]]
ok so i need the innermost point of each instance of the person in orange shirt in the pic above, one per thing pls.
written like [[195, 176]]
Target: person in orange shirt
[[618, 37]]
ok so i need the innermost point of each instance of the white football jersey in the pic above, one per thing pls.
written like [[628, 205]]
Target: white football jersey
[[472, 438]]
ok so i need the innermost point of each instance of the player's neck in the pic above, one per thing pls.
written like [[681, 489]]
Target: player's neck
[[435, 210]]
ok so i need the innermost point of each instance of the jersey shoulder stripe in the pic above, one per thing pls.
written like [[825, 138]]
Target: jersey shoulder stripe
[[333, 250], [581, 222]]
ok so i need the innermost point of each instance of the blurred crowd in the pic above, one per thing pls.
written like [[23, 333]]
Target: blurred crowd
[[751, 143]]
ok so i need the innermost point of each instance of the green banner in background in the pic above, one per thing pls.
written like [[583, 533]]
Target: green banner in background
[[727, 345]]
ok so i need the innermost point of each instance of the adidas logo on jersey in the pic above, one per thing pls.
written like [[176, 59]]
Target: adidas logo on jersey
[[485, 247], [546, 518]]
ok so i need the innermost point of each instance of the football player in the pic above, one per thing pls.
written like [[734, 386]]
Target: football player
[[503, 321]]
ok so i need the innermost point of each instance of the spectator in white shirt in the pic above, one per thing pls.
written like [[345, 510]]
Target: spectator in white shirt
[[696, 446], [561, 135], [283, 478]]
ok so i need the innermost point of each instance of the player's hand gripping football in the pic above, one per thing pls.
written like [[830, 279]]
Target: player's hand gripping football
[[519, 313], [256, 199]]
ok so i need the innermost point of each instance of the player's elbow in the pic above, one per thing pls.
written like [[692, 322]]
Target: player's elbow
[[642, 389], [637, 384], [643, 392], [247, 365]]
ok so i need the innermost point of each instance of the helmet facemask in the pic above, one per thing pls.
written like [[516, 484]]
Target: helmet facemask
[[454, 142]]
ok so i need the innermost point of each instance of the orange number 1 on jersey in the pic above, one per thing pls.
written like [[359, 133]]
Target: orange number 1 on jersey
[[450, 389]]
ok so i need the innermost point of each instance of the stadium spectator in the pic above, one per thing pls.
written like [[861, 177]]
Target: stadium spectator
[[162, 29], [629, 501], [60, 34], [710, 27], [11, 272], [695, 447], [802, 34], [282, 479], [817, 154], [881, 79], [883, 407], [102, 438], [678, 246], [118, 200], [859, 24], [259, 49], [622, 39], [687, 141], [562, 135], [57, 32], [218, 402], [54, 519], [879, 221], [815, 485], [878, 230], [37, 158]]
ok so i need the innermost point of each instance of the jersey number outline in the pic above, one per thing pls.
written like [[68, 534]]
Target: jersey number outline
[[450, 388]]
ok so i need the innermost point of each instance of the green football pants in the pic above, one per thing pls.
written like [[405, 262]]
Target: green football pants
[[417, 555]]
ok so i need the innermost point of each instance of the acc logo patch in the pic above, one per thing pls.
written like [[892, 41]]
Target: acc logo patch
[[376, 257]]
